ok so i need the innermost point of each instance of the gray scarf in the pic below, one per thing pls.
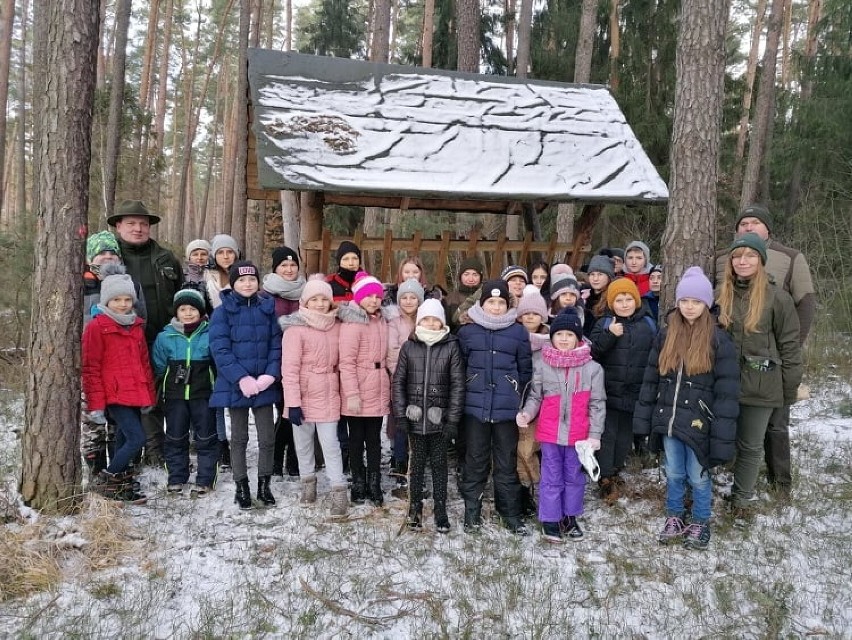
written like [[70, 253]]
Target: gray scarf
[[493, 323], [124, 319], [287, 289]]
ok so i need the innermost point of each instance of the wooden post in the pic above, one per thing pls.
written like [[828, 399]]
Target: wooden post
[[387, 257], [443, 261], [583, 232], [325, 254], [312, 210], [525, 252], [497, 256]]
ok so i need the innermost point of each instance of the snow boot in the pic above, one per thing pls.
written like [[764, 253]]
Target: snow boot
[[243, 495], [415, 516], [309, 490], [339, 502], [672, 531], [472, 516], [263, 492], [224, 455], [528, 505], [552, 532], [374, 488], [359, 485], [442, 522], [609, 490], [571, 528]]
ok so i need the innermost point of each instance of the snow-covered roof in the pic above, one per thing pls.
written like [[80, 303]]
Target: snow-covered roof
[[346, 126]]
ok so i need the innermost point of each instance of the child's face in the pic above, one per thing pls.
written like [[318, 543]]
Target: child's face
[[617, 264], [564, 340], [495, 306], [410, 270], [598, 281], [624, 305], [287, 270], [371, 303], [567, 299], [470, 278], [120, 304], [318, 303], [432, 323], [655, 281], [199, 257], [634, 261], [408, 302], [187, 314], [691, 309], [531, 321], [538, 277], [516, 285], [350, 261], [225, 258], [246, 286], [105, 257]]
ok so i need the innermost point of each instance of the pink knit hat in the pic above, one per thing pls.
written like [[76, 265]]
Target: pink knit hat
[[532, 302], [366, 285], [315, 286]]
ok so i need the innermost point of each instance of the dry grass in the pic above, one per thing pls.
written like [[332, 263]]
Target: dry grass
[[31, 564]]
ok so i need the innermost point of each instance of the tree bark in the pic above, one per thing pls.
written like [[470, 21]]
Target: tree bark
[[428, 32], [239, 205], [7, 21], [291, 219], [786, 35], [288, 27], [65, 52], [690, 235], [21, 196], [380, 49], [146, 95], [614, 45], [467, 32], [751, 71], [116, 104], [524, 32], [585, 41]]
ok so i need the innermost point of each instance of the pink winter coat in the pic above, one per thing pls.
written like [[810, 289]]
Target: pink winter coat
[[400, 328], [309, 366], [363, 362]]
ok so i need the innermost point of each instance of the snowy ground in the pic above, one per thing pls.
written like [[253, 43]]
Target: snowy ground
[[204, 569]]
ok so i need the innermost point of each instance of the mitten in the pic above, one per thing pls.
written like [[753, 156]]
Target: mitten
[[295, 415], [248, 386], [413, 413], [264, 382], [353, 405], [522, 420], [451, 431], [95, 417], [435, 414]]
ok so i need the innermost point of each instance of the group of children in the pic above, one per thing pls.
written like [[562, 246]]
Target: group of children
[[527, 392]]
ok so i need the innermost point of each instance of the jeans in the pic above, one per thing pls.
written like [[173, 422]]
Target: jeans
[[129, 436], [487, 440], [265, 424], [180, 416], [219, 418], [751, 431], [562, 483], [682, 465], [303, 435]]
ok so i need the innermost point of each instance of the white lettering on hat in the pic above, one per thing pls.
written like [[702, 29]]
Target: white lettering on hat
[[495, 293], [247, 271]]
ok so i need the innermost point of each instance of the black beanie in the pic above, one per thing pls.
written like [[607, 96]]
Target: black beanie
[[495, 289], [347, 247], [567, 320], [281, 254], [242, 268], [471, 263]]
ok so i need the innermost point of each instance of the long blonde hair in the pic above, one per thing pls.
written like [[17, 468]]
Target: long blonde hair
[[688, 344], [756, 296]]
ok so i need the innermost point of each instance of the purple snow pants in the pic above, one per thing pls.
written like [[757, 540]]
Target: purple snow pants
[[562, 483]]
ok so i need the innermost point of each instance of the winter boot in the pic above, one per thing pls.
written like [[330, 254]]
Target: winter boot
[[571, 528], [374, 488], [472, 516], [609, 490], [359, 485], [528, 505], [552, 532], [107, 484], [243, 495], [339, 502], [415, 516], [263, 492], [224, 455], [672, 530], [696, 536], [442, 522], [516, 526], [309, 490]]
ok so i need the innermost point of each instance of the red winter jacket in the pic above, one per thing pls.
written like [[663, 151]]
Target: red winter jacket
[[116, 369]]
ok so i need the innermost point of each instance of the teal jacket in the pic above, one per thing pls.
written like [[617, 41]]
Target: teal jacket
[[183, 364]]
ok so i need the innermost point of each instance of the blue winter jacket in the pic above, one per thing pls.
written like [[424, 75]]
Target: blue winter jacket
[[499, 367], [182, 364], [245, 340]]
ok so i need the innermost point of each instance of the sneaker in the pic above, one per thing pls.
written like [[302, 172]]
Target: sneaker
[[551, 532], [672, 530], [571, 528], [199, 490], [697, 536], [174, 489]]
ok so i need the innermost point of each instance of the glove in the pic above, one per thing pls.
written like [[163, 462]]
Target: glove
[[413, 413], [593, 443], [451, 431], [248, 386], [295, 415], [264, 382], [522, 420], [95, 417], [353, 405]]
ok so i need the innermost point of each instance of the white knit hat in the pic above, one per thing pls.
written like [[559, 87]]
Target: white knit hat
[[431, 308], [198, 244]]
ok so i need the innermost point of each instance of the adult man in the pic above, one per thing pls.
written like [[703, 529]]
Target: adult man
[[160, 274], [789, 270]]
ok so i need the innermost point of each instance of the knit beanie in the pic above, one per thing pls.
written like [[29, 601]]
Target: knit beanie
[[532, 302], [514, 270], [638, 244], [411, 286], [223, 241], [242, 268], [566, 283], [694, 284], [657, 268], [752, 241], [431, 308], [347, 247], [365, 285], [281, 254], [560, 269], [117, 285], [622, 285], [191, 297], [495, 289], [315, 286], [100, 242], [615, 252], [567, 320], [755, 211], [198, 244], [601, 264], [471, 263]]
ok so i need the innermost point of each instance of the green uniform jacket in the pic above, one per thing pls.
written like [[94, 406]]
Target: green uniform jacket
[[770, 358]]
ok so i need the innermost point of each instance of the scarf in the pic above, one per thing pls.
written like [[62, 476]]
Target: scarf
[[287, 289], [577, 357], [347, 275], [430, 336], [123, 319], [317, 320], [492, 323]]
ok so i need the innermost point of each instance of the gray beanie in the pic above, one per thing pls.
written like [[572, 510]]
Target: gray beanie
[[224, 241], [601, 264], [411, 286], [117, 285]]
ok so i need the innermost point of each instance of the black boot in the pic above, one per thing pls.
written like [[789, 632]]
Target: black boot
[[472, 516], [442, 522], [528, 505], [374, 488], [359, 483], [243, 495], [415, 516], [263, 492], [224, 455]]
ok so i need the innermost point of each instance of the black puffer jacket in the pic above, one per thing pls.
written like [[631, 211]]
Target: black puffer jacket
[[623, 358], [431, 378], [700, 410]]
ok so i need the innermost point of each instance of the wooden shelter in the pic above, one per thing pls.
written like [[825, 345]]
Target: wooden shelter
[[366, 134]]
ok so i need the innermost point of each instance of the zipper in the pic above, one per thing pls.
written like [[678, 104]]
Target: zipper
[[426, 383], [187, 364], [674, 404]]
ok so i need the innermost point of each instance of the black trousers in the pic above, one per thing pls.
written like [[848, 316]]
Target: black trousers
[[365, 433], [616, 442], [487, 441], [430, 448]]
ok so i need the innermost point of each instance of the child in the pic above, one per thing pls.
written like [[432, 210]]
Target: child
[[655, 284], [600, 274], [564, 293], [567, 395], [689, 400], [225, 253], [309, 373], [540, 277], [621, 342], [428, 395], [497, 353], [516, 278], [637, 265], [195, 267], [183, 363], [117, 378], [246, 344], [364, 384], [348, 265]]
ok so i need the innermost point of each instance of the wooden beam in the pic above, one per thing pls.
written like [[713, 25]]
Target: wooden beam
[[312, 214], [583, 229], [431, 204], [435, 245]]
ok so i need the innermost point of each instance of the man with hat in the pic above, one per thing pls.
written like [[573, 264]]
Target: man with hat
[[160, 274], [789, 270]]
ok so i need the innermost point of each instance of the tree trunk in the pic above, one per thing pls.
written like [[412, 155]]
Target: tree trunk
[[288, 28], [239, 205], [467, 32], [785, 43], [372, 226], [511, 25], [65, 56], [524, 31], [690, 235], [614, 45], [101, 68], [21, 196], [145, 95], [764, 108], [7, 21], [428, 32], [291, 219], [751, 71], [380, 48], [116, 104], [585, 41]]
